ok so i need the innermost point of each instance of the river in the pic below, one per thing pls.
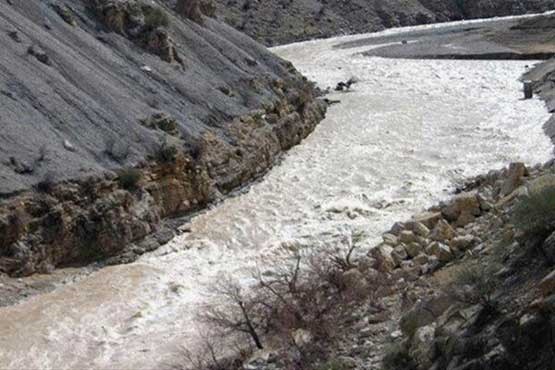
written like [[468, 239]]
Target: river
[[396, 144]]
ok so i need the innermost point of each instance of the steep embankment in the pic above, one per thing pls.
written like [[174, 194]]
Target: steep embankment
[[281, 22], [90, 90]]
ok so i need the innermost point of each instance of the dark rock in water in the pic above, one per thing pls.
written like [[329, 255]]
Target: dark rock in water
[[343, 86]]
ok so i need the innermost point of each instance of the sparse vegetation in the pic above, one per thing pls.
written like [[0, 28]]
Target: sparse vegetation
[[476, 285], [534, 212], [155, 16], [129, 178], [166, 153]]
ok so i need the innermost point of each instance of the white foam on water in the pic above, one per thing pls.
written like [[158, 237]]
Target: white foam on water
[[395, 145]]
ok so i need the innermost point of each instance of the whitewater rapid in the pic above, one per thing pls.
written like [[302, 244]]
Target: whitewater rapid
[[396, 144]]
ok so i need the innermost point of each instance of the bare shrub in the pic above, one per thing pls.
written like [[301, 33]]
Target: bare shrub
[[311, 296]]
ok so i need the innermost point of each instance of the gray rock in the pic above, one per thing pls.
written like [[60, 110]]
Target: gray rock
[[407, 236], [413, 249], [442, 232], [441, 251]]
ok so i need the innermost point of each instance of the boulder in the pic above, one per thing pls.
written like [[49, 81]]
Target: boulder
[[462, 209], [399, 254], [442, 232], [390, 239], [428, 219], [421, 259], [407, 236], [462, 243], [424, 312], [413, 249], [396, 228], [441, 251], [514, 179], [420, 229], [547, 285], [384, 259], [422, 348]]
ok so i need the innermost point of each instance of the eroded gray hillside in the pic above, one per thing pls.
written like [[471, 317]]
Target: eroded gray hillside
[[119, 113], [95, 86]]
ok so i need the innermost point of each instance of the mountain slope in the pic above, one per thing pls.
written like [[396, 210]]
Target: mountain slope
[[90, 90], [280, 22]]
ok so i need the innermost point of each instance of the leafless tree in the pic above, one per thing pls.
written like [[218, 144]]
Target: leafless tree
[[237, 313]]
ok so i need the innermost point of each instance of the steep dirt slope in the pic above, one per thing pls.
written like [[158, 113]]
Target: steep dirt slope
[[279, 22], [89, 89]]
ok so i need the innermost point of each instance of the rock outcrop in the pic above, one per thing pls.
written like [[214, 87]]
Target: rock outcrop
[[279, 22], [118, 114]]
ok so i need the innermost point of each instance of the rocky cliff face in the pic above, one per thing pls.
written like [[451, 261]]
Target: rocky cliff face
[[279, 22], [118, 113]]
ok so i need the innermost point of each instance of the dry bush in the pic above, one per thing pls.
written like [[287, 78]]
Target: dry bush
[[315, 294]]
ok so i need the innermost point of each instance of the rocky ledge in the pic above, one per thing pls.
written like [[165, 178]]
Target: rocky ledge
[[469, 284], [120, 113]]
